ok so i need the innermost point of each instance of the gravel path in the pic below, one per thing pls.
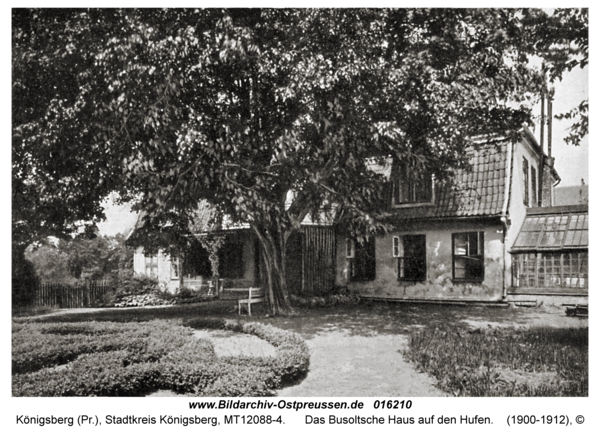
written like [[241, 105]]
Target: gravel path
[[342, 365]]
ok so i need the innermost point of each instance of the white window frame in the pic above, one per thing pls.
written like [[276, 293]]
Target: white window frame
[[151, 262], [397, 247]]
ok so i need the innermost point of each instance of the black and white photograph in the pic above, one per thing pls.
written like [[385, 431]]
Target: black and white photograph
[[284, 217]]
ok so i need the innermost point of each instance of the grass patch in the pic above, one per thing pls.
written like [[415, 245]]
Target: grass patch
[[538, 361], [32, 311]]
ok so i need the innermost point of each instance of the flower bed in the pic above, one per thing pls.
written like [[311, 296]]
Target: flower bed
[[537, 361], [134, 359]]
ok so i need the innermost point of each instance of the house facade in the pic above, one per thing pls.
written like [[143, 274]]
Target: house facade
[[471, 240], [310, 257], [238, 264], [454, 242]]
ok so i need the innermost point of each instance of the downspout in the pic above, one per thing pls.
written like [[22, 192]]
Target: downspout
[[504, 217]]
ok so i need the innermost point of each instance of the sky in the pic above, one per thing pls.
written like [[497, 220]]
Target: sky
[[571, 161]]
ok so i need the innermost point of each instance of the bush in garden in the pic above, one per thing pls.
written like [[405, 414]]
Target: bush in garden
[[137, 290], [39, 345], [186, 295], [24, 281], [338, 296], [137, 284], [114, 359]]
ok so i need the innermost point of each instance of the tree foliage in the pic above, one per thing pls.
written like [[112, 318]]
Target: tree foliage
[[240, 107], [97, 258]]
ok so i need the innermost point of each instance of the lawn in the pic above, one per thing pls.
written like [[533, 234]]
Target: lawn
[[355, 350]]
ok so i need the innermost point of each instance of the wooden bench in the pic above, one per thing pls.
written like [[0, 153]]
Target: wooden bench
[[577, 310], [254, 295]]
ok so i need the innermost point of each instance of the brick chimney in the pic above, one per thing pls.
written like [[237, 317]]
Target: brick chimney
[[548, 174]]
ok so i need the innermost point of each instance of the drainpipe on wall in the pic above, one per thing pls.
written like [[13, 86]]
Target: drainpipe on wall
[[504, 218]]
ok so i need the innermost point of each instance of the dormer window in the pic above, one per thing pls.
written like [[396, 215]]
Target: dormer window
[[410, 188]]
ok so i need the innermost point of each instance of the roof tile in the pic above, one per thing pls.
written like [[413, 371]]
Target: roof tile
[[480, 190]]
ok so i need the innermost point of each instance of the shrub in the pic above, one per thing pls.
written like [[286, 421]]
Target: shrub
[[137, 290], [113, 359], [39, 345], [24, 281], [137, 284], [186, 295], [339, 296]]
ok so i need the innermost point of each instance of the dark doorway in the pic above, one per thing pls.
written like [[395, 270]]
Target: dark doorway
[[363, 263]]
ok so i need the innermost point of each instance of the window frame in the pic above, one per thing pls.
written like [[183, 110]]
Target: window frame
[[552, 270], [525, 181], [534, 186], [479, 257], [413, 189], [365, 252], [151, 262], [399, 251], [175, 269]]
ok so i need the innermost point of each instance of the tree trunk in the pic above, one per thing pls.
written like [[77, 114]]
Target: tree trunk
[[273, 243]]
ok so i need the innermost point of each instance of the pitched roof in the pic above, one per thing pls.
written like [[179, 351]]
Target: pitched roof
[[201, 221], [478, 191], [553, 228]]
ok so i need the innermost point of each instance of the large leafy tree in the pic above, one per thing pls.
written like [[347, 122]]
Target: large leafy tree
[[267, 114], [99, 257]]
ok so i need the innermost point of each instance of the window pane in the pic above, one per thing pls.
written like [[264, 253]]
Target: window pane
[[459, 268], [468, 260], [569, 239], [468, 268], [460, 244], [409, 188], [533, 187], [525, 181], [584, 238], [174, 269], [583, 269], [401, 267]]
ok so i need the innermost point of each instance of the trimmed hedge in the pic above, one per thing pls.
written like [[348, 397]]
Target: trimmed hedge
[[136, 359], [38, 345]]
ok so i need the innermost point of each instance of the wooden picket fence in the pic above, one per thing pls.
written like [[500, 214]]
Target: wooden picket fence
[[70, 295]]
